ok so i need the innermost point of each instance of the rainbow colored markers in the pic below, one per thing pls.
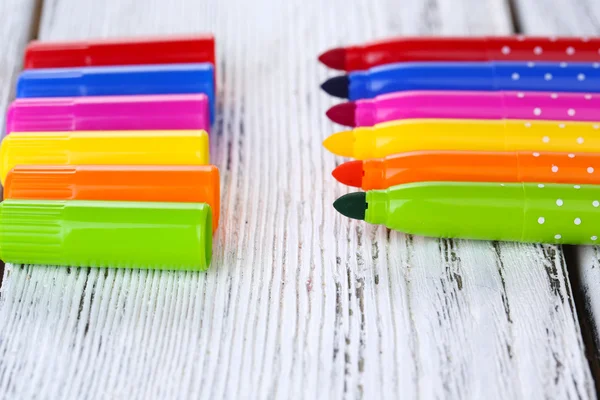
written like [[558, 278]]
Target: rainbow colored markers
[[487, 139], [105, 162]]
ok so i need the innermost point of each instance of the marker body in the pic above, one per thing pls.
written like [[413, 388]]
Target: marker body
[[478, 105], [523, 212], [469, 135], [118, 81], [176, 236], [510, 48], [122, 51], [154, 183], [475, 76], [475, 166], [103, 148], [150, 112]]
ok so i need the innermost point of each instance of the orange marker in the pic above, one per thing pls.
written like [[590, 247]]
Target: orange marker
[[156, 183], [470, 166]]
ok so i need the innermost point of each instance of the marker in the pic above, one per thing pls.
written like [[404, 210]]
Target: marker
[[508, 48], [479, 76], [118, 81], [150, 112], [468, 105], [521, 212], [465, 134], [475, 166], [154, 183], [103, 148], [113, 234], [121, 51]]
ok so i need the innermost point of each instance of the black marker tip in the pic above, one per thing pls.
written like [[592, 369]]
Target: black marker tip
[[337, 86], [352, 205]]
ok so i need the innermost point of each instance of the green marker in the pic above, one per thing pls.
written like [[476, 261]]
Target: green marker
[[522, 212], [118, 234]]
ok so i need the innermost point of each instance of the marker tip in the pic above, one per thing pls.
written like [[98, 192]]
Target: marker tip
[[337, 86], [343, 113], [341, 143], [334, 58], [352, 205], [349, 173]]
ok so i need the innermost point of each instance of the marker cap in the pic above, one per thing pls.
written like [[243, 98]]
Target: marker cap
[[175, 236], [144, 112], [121, 51]]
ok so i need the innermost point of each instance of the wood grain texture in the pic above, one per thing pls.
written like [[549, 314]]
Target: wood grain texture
[[564, 17], [300, 302], [556, 17], [17, 19]]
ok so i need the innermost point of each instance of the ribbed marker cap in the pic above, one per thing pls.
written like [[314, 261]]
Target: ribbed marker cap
[[31, 230], [32, 149], [50, 182]]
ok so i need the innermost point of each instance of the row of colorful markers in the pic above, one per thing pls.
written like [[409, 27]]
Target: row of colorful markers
[[493, 138], [105, 162]]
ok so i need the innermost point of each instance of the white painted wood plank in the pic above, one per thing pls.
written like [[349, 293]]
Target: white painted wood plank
[[300, 302], [554, 17], [16, 19]]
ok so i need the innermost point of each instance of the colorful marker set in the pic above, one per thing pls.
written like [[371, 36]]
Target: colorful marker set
[[494, 138], [105, 162]]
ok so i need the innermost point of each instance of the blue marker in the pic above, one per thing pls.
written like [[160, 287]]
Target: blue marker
[[113, 81], [525, 76]]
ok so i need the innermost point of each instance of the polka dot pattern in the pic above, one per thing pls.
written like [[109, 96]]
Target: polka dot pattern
[[550, 166], [552, 48], [559, 213], [542, 76]]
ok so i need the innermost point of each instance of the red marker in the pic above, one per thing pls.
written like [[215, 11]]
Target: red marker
[[130, 51], [509, 48]]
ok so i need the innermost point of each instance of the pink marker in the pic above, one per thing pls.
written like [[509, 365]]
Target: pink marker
[[468, 105], [152, 112]]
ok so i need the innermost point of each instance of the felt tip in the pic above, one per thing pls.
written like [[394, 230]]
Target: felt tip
[[343, 114], [334, 58], [349, 173], [352, 205], [337, 86], [341, 143]]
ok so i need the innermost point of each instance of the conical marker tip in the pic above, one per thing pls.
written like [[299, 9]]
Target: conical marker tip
[[334, 58], [343, 114], [349, 173], [341, 143], [352, 205], [337, 86]]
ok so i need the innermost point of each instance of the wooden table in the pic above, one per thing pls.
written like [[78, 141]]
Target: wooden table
[[300, 302]]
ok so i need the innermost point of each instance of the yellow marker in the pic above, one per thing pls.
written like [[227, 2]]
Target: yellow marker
[[104, 147], [465, 134]]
